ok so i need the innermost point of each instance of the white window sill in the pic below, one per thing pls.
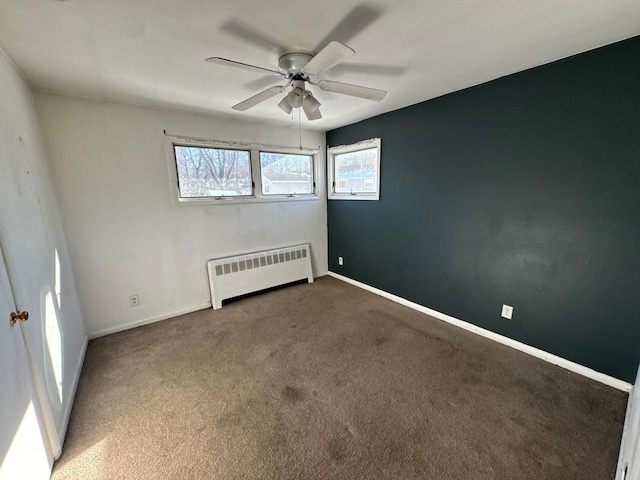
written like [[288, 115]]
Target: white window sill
[[348, 196], [190, 202]]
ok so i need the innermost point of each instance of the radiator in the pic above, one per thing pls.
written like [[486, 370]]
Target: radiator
[[251, 272]]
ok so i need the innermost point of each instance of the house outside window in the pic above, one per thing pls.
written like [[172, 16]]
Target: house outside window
[[354, 171], [286, 173]]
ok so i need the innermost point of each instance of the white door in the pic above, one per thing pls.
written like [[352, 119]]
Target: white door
[[30, 256], [24, 448]]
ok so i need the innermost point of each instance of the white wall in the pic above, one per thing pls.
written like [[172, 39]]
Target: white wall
[[126, 237], [32, 236]]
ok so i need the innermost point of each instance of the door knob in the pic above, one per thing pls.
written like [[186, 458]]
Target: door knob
[[15, 316]]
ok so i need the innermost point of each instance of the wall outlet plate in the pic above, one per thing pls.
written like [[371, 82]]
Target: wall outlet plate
[[134, 300], [340, 261], [507, 312]]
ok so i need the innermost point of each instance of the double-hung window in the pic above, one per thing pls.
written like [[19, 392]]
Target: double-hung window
[[354, 171], [208, 171]]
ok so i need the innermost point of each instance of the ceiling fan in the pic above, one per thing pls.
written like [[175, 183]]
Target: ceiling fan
[[298, 67]]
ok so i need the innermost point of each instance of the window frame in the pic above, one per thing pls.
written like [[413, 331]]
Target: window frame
[[332, 152], [288, 195], [254, 150], [218, 197]]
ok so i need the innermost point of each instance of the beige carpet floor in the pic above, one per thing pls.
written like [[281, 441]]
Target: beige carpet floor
[[327, 381]]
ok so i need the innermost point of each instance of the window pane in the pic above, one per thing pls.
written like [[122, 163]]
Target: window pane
[[356, 171], [213, 172], [286, 173]]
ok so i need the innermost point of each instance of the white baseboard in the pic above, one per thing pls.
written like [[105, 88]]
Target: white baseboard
[[164, 316], [146, 321], [536, 352], [62, 432]]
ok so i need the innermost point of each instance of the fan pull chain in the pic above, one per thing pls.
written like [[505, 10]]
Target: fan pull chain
[[300, 127]]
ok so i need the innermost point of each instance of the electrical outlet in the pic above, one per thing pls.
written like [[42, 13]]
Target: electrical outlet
[[507, 312], [340, 261], [134, 300]]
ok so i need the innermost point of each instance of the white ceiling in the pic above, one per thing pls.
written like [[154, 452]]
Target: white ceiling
[[151, 52]]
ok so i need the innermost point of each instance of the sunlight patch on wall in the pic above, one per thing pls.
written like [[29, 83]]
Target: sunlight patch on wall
[[57, 274], [54, 341]]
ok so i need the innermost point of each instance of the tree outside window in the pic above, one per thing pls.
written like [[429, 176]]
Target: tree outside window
[[213, 172]]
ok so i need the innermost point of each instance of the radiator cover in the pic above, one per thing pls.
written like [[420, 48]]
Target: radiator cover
[[251, 272]]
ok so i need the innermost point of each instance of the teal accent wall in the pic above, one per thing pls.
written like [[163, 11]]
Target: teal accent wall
[[525, 191]]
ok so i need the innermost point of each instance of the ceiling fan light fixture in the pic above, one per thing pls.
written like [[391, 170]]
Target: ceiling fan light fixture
[[285, 106], [309, 103], [295, 97], [315, 115]]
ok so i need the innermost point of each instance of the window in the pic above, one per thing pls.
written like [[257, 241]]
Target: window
[[212, 172], [286, 173], [208, 171], [354, 171]]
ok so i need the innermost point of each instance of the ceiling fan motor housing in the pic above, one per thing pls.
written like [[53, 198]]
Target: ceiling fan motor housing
[[293, 62]]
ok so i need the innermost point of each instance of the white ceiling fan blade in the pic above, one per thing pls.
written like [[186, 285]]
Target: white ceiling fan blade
[[259, 98], [357, 20], [244, 66], [249, 33], [327, 58], [353, 90]]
